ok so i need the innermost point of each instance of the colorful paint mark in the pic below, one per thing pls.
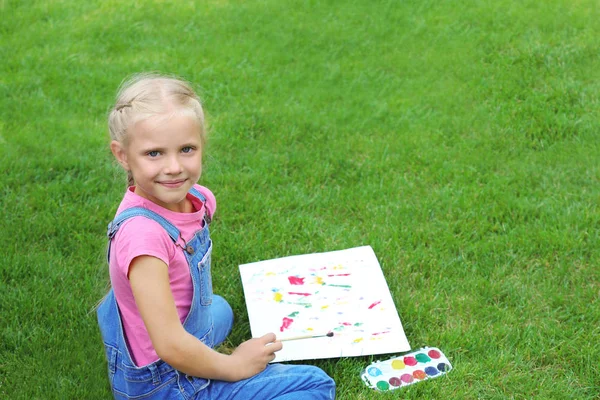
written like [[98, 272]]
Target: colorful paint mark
[[357, 340], [411, 361], [394, 381], [300, 294], [294, 314], [374, 304], [407, 378], [305, 305], [431, 371], [278, 297], [285, 323], [422, 358], [442, 367], [434, 354], [418, 374], [296, 280], [379, 333], [374, 371], [398, 364], [383, 385], [342, 286]]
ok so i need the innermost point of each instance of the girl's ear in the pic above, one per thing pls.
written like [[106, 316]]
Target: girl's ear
[[120, 154]]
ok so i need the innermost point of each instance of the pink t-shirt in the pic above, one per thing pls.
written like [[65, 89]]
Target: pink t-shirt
[[139, 236]]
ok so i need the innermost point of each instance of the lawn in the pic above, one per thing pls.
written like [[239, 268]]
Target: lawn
[[460, 139]]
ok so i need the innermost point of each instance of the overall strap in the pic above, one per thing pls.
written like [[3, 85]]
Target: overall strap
[[116, 223], [173, 232], [195, 192], [114, 226]]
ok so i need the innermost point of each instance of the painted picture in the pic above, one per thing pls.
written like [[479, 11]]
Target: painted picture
[[323, 305]]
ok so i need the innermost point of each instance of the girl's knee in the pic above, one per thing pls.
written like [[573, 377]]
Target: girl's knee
[[323, 382], [221, 308], [306, 379]]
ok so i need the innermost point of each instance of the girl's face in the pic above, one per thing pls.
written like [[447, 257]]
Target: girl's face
[[164, 155]]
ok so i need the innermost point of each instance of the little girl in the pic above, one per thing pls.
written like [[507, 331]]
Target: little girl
[[161, 321]]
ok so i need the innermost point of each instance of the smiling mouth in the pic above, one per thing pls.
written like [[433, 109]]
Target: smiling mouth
[[173, 184]]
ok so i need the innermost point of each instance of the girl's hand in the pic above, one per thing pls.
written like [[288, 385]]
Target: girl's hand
[[252, 356]]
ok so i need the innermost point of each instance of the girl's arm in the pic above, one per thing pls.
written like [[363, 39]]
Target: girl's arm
[[149, 280]]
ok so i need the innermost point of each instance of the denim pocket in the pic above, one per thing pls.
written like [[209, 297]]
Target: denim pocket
[[206, 278], [192, 385], [154, 381], [168, 389]]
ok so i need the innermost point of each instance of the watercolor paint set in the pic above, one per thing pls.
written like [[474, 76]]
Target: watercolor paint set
[[410, 368]]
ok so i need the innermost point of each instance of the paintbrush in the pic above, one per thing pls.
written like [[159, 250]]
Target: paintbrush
[[329, 334]]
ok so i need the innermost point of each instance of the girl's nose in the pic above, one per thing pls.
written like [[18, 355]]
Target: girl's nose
[[173, 166]]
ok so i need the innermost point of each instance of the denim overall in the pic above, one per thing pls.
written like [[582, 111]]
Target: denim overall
[[210, 319], [159, 379]]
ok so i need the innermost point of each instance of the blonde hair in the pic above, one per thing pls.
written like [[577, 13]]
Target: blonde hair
[[146, 95]]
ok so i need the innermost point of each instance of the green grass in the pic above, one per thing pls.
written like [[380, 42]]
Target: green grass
[[458, 138]]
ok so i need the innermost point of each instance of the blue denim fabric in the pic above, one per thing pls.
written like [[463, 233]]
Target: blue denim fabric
[[210, 319], [276, 382]]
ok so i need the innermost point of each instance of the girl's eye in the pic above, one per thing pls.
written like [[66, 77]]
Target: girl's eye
[[187, 149], [153, 153]]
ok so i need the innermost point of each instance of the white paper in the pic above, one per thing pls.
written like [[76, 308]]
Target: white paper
[[343, 292]]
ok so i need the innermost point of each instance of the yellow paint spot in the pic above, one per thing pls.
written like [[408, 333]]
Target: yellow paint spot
[[278, 297], [358, 340], [270, 274], [319, 280], [324, 307], [398, 364], [309, 329]]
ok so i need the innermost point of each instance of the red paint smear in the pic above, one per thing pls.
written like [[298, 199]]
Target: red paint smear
[[294, 280], [374, 304], [346, 323], [286, 323], [300, 294], [411, 362], [434, 354], [339, 275], [379, 333]]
